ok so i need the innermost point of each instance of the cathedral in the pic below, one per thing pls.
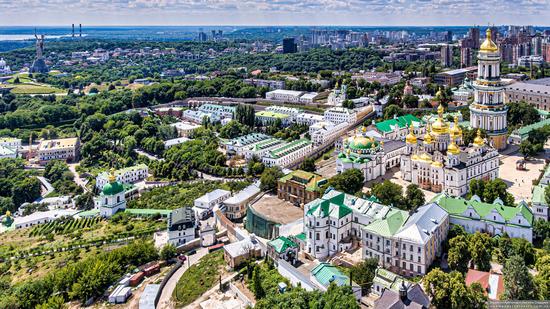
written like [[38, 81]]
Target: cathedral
[[440, 162], [488, 111]]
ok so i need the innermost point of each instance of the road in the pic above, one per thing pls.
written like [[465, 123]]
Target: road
[[79, 181], [165, 301]]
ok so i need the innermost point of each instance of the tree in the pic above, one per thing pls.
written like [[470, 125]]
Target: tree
[[269, 178], [414, 197], [542, 279], [449, 290], [392, 111], [308, 165], [410, 101], [480, 247], [524, 248], [521, 113], [388, 193], [497, 188], [504, 248], [168, 252], [518, 282], [259, 292], [55, 170], [459, 254], [349, 181], [363, 273], [27, 190]]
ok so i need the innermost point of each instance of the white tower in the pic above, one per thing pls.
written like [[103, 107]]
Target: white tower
[[488, 111]]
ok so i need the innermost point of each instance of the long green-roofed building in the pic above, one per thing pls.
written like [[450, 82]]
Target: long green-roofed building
[[493, 218]]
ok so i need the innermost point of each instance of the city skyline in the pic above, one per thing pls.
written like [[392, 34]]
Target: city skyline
[[278, 12]]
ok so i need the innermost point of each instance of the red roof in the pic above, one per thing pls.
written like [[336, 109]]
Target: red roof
[[483, 278]]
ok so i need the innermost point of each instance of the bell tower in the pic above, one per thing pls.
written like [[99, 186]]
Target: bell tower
[[488, 111]]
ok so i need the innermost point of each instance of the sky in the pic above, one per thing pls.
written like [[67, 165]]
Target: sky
[[275, 12]]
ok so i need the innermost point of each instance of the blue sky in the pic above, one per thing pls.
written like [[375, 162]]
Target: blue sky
[[274, 12]]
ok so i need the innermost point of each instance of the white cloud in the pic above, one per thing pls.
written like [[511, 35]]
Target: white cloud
[[294, 12]]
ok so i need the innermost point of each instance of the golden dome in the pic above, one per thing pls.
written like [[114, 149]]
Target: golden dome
[[453, 148], [8, 213], [488, 46], [456, 130], [428, 136], [411, 138], [440, 126], [478, 141], [364, 129], [426, 157], [415, 157], [437, 164]]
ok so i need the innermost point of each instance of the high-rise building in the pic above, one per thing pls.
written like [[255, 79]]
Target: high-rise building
[[488, 111], [447, 55], [536, 44], [289, 46], [473, 34], [546, 52], [465, 57]]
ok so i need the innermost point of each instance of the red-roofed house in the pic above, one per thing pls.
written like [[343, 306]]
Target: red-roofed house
[[492, 283]]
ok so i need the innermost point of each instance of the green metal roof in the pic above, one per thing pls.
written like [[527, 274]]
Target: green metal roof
[[327, 207], [537, 125], [310, 180], [326, 273], [390, 224], [456, 206], [147, 211], [112, 188], [301, 236], [271, 115], [281, 244], [538, 196], [289, 148], [401, 122]]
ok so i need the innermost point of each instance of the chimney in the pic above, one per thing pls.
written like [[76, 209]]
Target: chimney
[[73, 31], [403, 291]]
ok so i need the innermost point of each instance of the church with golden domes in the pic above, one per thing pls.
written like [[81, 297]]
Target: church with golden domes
[[440, 162]]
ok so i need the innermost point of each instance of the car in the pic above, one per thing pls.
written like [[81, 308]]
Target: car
[[182, 258]]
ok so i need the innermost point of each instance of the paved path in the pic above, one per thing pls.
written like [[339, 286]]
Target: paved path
[[48, 188], [79, 181], [165, 301]]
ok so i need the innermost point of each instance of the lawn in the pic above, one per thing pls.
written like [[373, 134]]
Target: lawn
[[199, 278], [35, 89]]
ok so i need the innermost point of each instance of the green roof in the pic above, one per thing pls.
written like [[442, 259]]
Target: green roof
[[281, 243], [537, 125], [334, 205], [538, 196], [147, 211], [401, 122], [456, 206], [387, 279], [326, 273], [543, 113], [271, 115], [390, 224], [310, 180], [289, 148], [301, 236], [112, 188]]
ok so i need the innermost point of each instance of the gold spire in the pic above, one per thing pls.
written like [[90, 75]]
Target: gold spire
[[411, 138], [428, 136], [455, 130], [364, 129], [478, 141], [440, 126], [112, 177], [488, 45]]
